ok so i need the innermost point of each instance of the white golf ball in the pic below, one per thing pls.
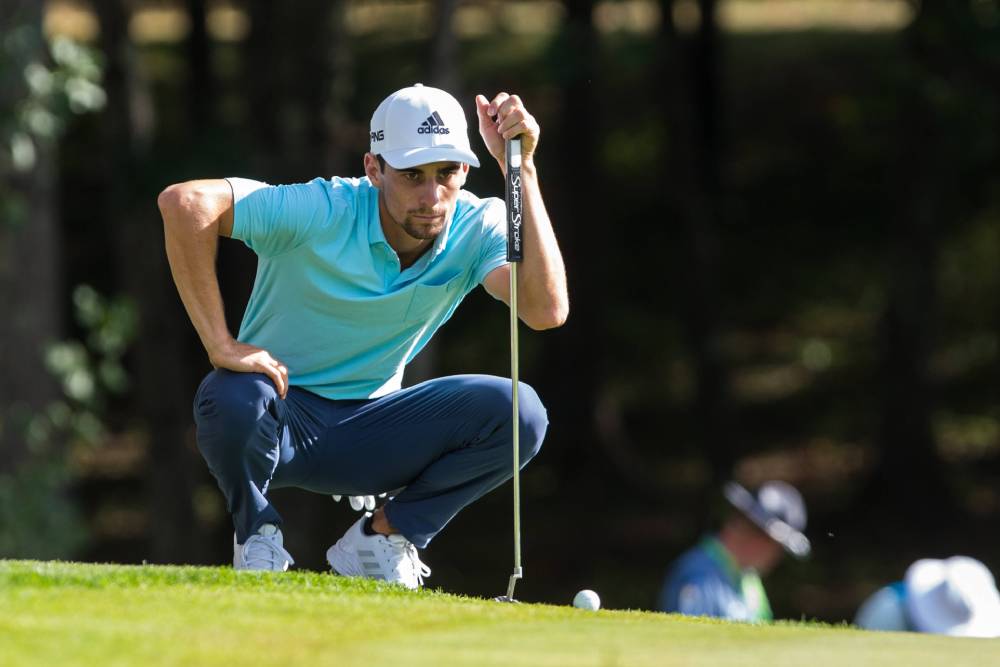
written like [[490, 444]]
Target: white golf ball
[[587, 600]]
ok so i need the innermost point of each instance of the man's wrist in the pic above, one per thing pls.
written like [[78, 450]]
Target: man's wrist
[[527, 167], [218, 345]]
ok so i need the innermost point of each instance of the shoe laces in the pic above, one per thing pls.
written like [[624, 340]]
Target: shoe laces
[[262, 552], [407, 553]]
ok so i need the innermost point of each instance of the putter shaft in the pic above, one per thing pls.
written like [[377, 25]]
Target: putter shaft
[[516, 434]]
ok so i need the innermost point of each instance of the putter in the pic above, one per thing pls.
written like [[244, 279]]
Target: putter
[[514, 256]]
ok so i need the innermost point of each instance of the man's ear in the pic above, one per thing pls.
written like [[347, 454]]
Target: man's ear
[[372, 170]]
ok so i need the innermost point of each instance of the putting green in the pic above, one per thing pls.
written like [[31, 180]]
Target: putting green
[[67, 613]]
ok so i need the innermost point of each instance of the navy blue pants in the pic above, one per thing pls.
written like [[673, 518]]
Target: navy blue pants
[[447, 441]]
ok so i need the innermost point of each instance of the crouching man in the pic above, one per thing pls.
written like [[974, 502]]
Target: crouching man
[[355, 276]]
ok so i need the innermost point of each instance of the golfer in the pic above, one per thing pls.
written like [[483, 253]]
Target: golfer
[[354, 277], [721, 576]]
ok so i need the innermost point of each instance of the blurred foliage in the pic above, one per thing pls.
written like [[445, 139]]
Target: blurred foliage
[[44, 82], [91, 369], [37, 518]]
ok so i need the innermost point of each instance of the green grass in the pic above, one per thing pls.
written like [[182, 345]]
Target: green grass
[[68, 613]]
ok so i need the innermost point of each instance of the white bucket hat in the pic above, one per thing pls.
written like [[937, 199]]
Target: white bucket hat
[[956, 597], [419, 125]]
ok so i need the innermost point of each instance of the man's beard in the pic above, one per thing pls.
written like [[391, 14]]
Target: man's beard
[[423, 230]]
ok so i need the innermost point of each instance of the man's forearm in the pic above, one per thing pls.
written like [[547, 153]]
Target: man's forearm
[[541, 277], [191, 237]]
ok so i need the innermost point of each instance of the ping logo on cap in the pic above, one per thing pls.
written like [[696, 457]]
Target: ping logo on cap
[[433, 125]]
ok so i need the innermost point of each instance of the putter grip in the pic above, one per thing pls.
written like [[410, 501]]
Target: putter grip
[[514, 201]]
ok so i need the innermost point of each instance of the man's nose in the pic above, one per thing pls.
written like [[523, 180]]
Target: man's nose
[[430, 195]]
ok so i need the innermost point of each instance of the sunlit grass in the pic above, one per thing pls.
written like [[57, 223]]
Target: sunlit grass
[[64, 613]]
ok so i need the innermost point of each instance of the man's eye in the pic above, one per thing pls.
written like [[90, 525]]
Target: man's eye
[[411, 176]]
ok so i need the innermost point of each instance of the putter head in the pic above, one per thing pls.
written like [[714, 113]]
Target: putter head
[[504, 598]]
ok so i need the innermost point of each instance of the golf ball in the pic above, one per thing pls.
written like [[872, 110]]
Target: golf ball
[[587, 600]]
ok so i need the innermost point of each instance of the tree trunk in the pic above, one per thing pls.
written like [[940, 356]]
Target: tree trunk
[[340, 129], [30, 286], [262, 84], [908, 479], [200, 92], [163, 390], [571, 374], [290, 58], [690, 88], [444, 47]]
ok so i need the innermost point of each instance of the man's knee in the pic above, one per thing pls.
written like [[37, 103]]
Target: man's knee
[[493, 394], [229, 404], [486, 401], [233, 397], [534, 420]]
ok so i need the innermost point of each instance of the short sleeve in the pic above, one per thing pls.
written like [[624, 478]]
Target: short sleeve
[[494, 248], [272, 220]]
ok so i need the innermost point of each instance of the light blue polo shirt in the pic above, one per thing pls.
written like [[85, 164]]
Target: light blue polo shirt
[[329, 299]]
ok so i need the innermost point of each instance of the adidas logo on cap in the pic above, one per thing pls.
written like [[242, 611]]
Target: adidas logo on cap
[[420, 125], [433, 125]]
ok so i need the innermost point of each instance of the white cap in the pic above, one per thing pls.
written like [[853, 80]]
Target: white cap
[[419, 125], [956, 597]]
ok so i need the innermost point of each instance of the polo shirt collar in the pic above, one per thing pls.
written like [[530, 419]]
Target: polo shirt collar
[[375, 233], [441, 242]]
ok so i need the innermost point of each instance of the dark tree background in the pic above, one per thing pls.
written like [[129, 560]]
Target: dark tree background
[[782, 248]]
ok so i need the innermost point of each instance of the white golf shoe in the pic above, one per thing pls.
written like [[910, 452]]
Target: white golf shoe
[[262, 551], [391, 558]]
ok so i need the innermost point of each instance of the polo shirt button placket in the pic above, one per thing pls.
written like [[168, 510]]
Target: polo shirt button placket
[[392, 268]]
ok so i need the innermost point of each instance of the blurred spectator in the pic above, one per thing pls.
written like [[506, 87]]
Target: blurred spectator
[[721, 575], [956, 597]]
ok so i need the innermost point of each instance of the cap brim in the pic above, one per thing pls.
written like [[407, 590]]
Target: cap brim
[[413, 157], [793, 541]]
